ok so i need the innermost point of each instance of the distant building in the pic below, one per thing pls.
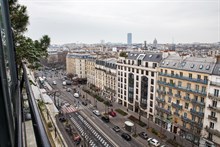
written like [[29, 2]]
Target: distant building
[[129, 38], [155, 44]]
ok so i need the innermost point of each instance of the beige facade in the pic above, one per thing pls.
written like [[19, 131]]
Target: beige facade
[[182, 95], [90, 71]]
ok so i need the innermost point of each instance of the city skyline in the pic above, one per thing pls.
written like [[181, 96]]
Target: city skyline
[[92, 21]]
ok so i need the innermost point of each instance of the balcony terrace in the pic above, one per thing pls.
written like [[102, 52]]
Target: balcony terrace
[[178, 96], [161, 92], [160, 100], [212, 118], [184, 78], [163, 110], [216, 109], [194, 101], [186, 98], [177, 106], [213, 131], [213, 97], [199, 114]]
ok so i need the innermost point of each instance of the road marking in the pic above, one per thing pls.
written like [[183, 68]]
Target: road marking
[[108, 138]]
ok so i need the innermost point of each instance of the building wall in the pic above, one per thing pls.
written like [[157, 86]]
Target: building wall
[[90, 71]]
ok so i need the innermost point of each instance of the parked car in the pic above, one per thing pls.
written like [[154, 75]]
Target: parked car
[[76, 95], [64, 83], [143, 135], [54, 83], [126, 136], [154, 142], [84, 103], [68, 89], [116, 128], [112, 113], [96, 112], [105, 118]]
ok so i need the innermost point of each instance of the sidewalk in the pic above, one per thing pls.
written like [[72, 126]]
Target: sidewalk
[[119, 121]]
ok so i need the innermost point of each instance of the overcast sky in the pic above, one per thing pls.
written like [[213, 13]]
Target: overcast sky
[[89, 21]]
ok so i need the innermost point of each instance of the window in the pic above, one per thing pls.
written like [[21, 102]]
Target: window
[[152, 89], [181, 74], [152, 81], [197, 88], [216, 92], [210, 136], [211, 125], [146, 73], [201, 66], [179, 84], [165, 71], [129, 69], [213, 114], [183, 64], [203, 89], [185, 114], [190, 75], [174, 64], [172, 73], [152, 74], [207, 67], [192, 65], [214, 103], [150, 56], [151, 104], [188, 86], [132, 69], [193, 118], [137, 78], [169, 99], [186, 105], [137, 71], [151, 96], [202, 99], [142, 72], [198, 77], [146, 64]]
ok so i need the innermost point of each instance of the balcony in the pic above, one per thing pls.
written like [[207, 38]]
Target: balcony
[[160, 100], [130, 100], [194, 112], [213, 131], [170, 93], [213, 97], [215, 83], [187, 98], [163, 110], [212, 118], [177, 106], [177, 95], [205, 81], [194, 101], [185, 119], [216, 109], [161, 92], [143, 105]]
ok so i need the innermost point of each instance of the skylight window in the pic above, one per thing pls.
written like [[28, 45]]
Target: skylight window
[[174, 64], [141, 57], [150, 56], [135, 54], [163, 62], [167, 63], [207, 67], [184, 63], [192, 65], [131, 54], [201, 66]]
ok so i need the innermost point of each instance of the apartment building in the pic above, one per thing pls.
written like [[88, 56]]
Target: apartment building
[[90, 71], [211, 132], [182, 95], [105, 77], [76, 64], [136, 82]]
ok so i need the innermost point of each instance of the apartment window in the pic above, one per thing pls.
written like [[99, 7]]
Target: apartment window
[[197, 87], [193, 118], [169, 108], [201, 109], [178, 93], [136, 91], [214, 103], [186, 105], [118, 67], [151, 103], [181, 74], [146, 64], [137, 78], [172, 73], [184, 124], [132, 69], [165, 71], [119, 73], [179, 84], [203, 89], [152, 81], [129, 69], [178, 101], [169, 99], [202, 100], [199, 77], [188, 86], [151, 96], [213, 114], [190, 75], [142, 72], [137, 71], [151, 110], [210, 136], [146, 73], [125, 68], [211, 125], [185, 114], [154, 65], [205, 78], [152, 88], [152, 74], [216, 92], [161, 70], [196, 97]]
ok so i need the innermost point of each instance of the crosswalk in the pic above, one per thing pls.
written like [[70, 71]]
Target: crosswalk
[[68, 109]]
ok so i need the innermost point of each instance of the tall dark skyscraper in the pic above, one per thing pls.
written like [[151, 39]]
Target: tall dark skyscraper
[[129, 38]]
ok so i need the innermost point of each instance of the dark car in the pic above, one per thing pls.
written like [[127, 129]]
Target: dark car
[[84, 103], [116, 128], [143, 135], [105, 118], [62, 119], [126, 136]]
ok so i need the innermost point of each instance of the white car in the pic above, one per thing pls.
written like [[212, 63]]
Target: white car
[[76, 95], [154, 142], [54, 83], [96, 112]]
